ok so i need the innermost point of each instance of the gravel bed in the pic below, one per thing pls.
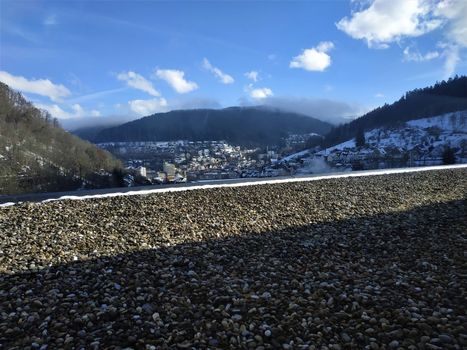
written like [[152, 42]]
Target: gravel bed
[[375, 262]]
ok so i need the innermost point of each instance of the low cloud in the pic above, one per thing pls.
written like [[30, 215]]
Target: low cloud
[[176, 79], [148, 107], [261, 93], [331, 111], [224, 78], [42, 87], [194, 103], [138, 82], [315, 58]]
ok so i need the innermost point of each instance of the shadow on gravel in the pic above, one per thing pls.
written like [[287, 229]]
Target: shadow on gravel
[[388, 281]]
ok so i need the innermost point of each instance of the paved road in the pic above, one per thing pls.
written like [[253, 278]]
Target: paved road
[[39, 197]]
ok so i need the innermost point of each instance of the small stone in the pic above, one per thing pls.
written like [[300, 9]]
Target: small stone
[[147, 308], [445, 338], [213, 342], [346, 338], [236, 317], [184, 345]]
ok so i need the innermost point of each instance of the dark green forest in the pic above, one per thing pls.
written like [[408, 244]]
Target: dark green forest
[[37, 155], [244, 126], [443, 97]]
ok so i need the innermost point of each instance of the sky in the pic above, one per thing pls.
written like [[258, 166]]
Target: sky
[[95, 61]]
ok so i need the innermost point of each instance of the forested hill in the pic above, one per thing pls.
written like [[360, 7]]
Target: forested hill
[[237, 125], [444, 97], [36, 154]]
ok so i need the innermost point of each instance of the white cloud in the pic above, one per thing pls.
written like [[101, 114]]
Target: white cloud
[[455, 11], [379, 95], [381, 22], [224, 78], [138, 82], [54, 110], [43, 87], [76, 111], [252, 75], [386, 21], [314, 59], [175, 78], [416, 56], [260, 93], [50, 20], [451, 55], [147, 107]]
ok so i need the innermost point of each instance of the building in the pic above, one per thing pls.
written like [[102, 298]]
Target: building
[[141, 170], [169, 170]]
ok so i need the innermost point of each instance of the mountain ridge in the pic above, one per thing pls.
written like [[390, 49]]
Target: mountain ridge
[[238, 125]]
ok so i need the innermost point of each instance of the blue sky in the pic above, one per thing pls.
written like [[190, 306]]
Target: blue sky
[[91, 60]]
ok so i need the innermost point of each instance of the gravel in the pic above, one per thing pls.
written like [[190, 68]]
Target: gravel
[[358, 263]]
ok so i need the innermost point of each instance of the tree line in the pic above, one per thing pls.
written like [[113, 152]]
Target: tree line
[[443, 97], [36, 154]]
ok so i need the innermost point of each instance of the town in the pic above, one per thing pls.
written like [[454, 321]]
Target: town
[[430, 141], [186, 161]]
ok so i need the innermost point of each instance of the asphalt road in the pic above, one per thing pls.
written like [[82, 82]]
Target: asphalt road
[[39, 197]]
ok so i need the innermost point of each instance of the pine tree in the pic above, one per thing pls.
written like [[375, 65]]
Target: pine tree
[[360, 138], [449, 156]]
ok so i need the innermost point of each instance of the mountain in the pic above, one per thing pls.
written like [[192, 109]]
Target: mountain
[[36, 154], [90, 133], [248, 126], [443, 97]]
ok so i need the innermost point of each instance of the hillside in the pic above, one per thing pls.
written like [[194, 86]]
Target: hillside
[[36, 154], [413, 143], [370, 262], [444, 97], [236, 125]]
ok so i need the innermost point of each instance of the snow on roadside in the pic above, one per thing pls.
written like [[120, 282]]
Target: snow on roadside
[[7, 204], [255, 183]]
